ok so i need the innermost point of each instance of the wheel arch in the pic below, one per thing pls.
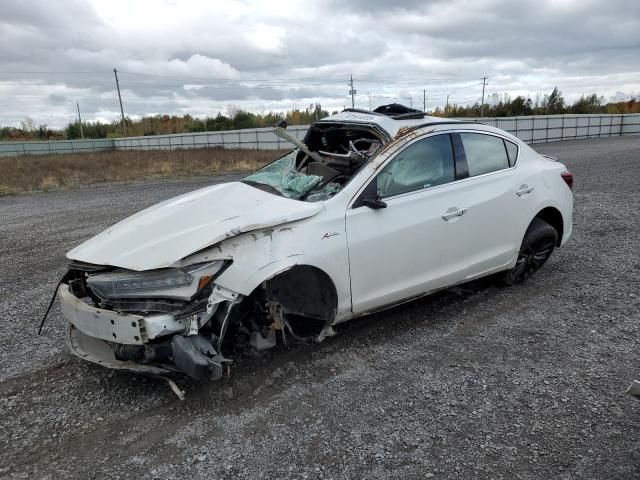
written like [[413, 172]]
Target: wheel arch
[[304, 290], [553, 217], [301, 288]]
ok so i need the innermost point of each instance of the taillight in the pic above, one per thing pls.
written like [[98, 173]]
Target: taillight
[[567, 176]]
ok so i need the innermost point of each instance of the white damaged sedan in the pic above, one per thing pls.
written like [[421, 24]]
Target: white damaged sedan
[[371, 210]]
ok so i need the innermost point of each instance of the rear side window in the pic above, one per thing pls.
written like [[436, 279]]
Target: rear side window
[[423, 164], [485, 153], [512, 152]]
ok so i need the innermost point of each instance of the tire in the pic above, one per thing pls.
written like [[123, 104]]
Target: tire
[[537, 246]]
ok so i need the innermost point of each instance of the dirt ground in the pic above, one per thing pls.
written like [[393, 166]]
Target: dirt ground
[[479, 381], [31, 173]]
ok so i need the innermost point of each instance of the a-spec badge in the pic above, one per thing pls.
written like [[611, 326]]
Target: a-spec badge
[[330, 234]]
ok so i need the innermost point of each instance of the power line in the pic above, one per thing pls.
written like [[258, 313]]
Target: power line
[[391, 78], [366, 77], [60, 72], [31, 84], [264, 83], [321, 80]]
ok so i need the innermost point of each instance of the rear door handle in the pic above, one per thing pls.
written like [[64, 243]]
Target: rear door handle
[[453, 212], [524, 189]]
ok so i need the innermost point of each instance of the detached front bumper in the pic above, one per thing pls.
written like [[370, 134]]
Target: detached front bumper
[[113, 326], [98, 351], [154, 344]]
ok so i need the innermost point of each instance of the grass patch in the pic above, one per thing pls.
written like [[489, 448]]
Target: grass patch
[[30, 173]]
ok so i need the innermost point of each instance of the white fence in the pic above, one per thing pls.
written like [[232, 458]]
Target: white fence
[[251, 138], [551, 128], [55, 146], [531, 129]]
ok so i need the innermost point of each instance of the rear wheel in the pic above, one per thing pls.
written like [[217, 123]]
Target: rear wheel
[[537, 246]]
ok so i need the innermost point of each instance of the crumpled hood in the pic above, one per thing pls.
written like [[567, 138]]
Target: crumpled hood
[[160, 235]]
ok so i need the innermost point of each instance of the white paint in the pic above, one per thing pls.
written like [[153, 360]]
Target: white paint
[[164, 233], [374, 257]]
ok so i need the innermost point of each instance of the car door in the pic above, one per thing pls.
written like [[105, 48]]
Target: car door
[[496, 195], [417, 242]]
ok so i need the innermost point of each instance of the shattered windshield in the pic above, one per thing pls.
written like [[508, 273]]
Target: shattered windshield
[[329, 157], [283, 177]]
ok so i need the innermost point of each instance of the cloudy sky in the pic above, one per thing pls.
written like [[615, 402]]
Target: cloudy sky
[[201, 57]]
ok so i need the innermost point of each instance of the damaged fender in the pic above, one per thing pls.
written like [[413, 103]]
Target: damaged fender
[[197, 220]]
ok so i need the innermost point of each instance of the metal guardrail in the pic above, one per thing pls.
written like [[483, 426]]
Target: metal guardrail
[[531, 129]]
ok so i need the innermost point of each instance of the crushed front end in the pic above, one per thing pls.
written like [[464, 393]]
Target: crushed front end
[[156, 321]]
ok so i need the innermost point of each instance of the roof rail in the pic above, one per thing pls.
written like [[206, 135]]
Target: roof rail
[[448, 122]]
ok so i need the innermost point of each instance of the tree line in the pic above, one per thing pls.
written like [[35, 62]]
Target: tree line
[[502, 105], [497, 105], [233, 119]]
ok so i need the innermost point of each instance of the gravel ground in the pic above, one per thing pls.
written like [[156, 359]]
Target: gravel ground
[[475, 382]]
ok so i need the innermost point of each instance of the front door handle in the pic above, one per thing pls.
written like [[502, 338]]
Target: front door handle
[[453, 212], [524, 189]]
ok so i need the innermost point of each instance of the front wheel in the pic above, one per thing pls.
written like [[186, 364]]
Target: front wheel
[[537, 246]]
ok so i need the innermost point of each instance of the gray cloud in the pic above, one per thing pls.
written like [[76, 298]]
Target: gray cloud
[[199, 58], [49, 15], [56, 99], [382, 7]]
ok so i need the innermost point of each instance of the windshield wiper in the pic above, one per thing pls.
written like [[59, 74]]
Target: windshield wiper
[[263, 186]]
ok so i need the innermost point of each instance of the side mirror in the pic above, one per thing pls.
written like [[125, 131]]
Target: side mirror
[[374, 203]]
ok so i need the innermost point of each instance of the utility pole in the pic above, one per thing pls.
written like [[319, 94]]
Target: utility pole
[[80, 120], [484, 82], [124, 126], [352, 92], [424, 101], [446, 107]]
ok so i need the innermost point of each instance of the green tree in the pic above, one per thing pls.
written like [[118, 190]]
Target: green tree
[[554, 103], [73, 131], [589, 104]]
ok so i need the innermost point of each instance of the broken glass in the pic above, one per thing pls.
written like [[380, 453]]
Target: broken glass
[[283, 176]]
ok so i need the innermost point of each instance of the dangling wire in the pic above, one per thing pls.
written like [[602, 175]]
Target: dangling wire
[[53, 299]]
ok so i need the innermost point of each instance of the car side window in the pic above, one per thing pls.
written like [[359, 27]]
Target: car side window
[[512, 152], [423, 164], [485, 153]]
